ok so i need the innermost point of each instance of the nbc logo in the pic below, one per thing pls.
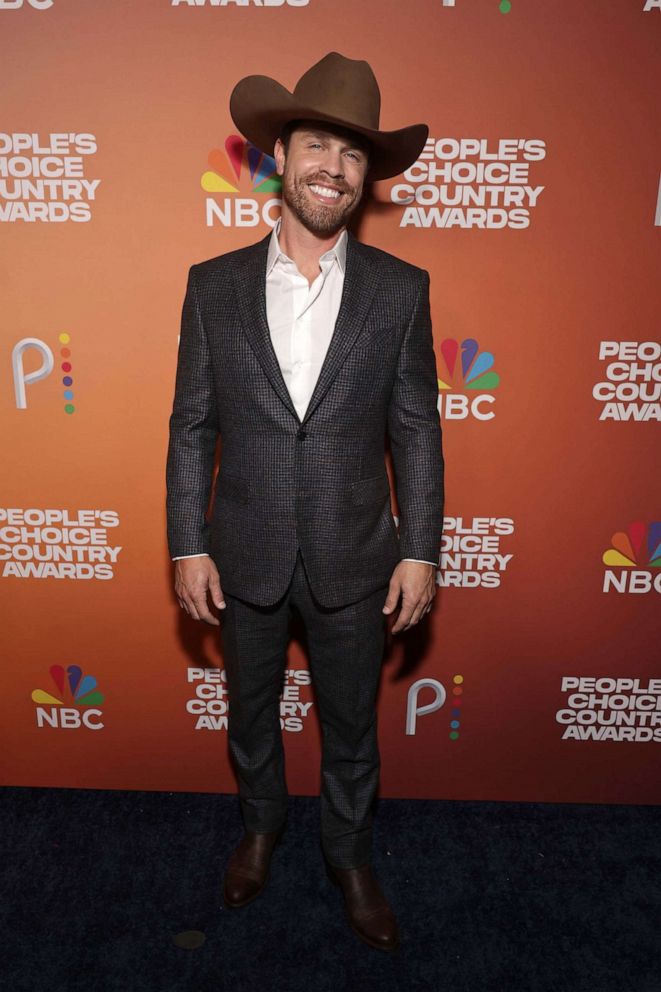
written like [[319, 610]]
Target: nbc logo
[[75, 704], [632, 558], [468, 370], [235, 171]]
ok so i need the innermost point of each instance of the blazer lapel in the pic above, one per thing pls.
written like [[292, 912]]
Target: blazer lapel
[[360, 285], [250, 284]]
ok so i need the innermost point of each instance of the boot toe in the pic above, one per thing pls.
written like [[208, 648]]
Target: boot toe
[[248, 867], [380, 931], [240, 890]]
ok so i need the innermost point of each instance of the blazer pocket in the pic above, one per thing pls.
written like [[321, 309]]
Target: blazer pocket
[[369, 490], [373, 337], [233, 487]]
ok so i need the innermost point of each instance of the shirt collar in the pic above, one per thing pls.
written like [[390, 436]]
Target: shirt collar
[[338, 251]]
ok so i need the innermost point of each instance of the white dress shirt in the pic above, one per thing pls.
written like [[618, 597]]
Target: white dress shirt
[[301, 318]]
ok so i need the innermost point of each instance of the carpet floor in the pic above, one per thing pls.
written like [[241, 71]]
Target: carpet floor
[[490, 897]]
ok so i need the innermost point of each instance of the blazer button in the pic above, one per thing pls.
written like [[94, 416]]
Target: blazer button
[[301, 434]]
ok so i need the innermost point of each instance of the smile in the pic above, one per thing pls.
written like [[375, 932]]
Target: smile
[[325, 192]]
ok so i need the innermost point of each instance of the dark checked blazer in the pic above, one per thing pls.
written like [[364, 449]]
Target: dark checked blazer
[[319, 483]]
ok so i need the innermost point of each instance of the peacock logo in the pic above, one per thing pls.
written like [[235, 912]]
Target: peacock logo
[[74, 690], [74, 703], [240, 166], [637, 547], [238, 173], [465, 367], [473, 371], [633, 562]]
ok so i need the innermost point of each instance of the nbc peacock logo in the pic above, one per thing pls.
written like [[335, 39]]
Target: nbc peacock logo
[[75, 702], [633, 561], [239, 177], [468, 378]]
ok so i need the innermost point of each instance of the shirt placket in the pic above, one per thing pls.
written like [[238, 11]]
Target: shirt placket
[[301, 342]]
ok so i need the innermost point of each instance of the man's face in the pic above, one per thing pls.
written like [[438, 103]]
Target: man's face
[[322, 176]]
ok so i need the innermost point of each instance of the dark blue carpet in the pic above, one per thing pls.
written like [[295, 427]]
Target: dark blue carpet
[[490, 897]]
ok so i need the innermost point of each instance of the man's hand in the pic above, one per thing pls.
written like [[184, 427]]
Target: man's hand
[[416, 581], [192, 578]]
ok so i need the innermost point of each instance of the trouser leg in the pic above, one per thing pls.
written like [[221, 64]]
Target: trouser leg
[[345, 646], [254, 640]]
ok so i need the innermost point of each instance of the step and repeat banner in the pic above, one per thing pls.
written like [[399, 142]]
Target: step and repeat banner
[[536, 208]]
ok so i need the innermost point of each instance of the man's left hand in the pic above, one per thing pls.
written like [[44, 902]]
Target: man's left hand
[[416, 582]]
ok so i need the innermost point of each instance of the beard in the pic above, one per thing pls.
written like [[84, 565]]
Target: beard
[[320, 218]]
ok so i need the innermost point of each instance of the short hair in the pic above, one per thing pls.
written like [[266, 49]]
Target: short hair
[[360, 140]]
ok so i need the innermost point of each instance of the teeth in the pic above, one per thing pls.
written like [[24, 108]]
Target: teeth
[[325, 191]]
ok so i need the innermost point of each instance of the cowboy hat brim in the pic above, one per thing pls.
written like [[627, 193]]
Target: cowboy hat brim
[[260, 107]]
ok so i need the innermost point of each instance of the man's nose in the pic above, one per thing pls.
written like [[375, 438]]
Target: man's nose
[[333, 164]]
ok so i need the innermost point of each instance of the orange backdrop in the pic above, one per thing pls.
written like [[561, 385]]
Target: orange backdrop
[[535, 207]]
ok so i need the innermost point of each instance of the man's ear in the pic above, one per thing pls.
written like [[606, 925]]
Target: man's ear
[[279, 156]]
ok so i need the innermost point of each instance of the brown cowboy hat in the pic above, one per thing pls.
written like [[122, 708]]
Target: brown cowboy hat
[[338, 90]]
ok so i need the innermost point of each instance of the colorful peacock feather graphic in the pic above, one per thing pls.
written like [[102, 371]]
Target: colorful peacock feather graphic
[[639, 546], [77, 690], [240, 166], [475, 364]]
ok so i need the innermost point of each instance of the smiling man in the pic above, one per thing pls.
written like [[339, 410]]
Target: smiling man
[[301, 352], [305, 183]]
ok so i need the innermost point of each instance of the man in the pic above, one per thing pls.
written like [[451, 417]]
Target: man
[[300, 352]]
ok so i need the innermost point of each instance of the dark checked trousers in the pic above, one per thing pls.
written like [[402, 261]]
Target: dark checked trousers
[[345, 652]]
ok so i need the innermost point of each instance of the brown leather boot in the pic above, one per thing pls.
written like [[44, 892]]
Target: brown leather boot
[[248, 868], [367, 908]]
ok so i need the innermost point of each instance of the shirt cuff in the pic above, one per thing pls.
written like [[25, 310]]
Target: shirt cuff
[[200, 554]]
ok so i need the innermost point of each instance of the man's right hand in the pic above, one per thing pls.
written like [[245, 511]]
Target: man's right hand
[[192, 578]]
